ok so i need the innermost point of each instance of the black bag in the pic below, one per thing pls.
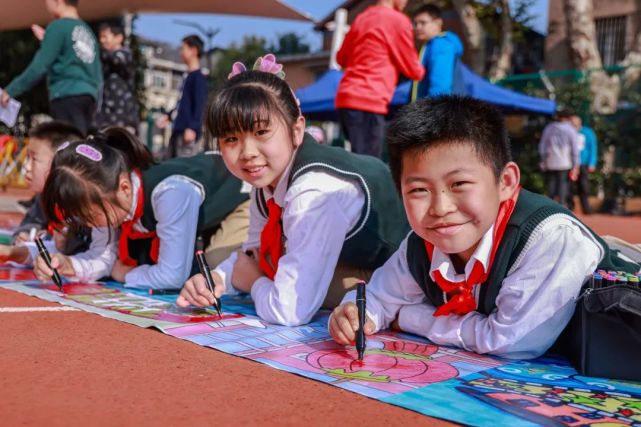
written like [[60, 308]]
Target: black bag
[[603, 339]]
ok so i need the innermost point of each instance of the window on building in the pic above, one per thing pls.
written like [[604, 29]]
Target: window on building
[[159, 81], [610, 34]]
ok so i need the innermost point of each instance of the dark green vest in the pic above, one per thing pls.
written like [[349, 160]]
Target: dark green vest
[[382, 224], [531, 209], [222, 194]]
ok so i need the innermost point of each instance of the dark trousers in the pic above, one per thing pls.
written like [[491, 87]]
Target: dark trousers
[[558, 185], [583, 187], [77, 110], [364, 130]]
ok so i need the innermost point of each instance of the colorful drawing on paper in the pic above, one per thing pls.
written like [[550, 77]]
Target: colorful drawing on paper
[[100, 296], [543, 392], [392, 363], [15, 274]]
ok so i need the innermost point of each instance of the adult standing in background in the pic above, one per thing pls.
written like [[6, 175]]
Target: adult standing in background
[[68, 56], [378, 46], [559, 151], [588, 147], [187, 126], [119, 106], [439, 54]]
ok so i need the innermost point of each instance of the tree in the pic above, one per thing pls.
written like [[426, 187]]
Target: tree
[[502, 62], [585, 55], [246, 52], [473, 33], [289, 44]]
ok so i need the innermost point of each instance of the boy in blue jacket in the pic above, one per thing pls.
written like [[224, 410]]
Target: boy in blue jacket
[[440, 52]]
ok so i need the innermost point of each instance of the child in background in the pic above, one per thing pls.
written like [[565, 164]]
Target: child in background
[[489, 267], [110, 182], [320, 217], [119, 106], [187, 126], [44, 140], [68, 56]]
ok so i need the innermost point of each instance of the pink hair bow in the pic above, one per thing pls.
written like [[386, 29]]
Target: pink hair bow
[[265, 64]]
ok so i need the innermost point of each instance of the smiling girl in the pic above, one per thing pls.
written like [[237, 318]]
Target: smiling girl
[[145, 216], [320, 217]]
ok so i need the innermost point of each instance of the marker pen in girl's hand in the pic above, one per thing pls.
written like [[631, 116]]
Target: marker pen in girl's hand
[[204, 270]]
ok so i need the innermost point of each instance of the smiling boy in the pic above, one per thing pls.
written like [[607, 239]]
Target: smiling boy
[[489, 267]]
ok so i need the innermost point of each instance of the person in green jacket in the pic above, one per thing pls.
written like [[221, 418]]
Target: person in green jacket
[[69, 57]]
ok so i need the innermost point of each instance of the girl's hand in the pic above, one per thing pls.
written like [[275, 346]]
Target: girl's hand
[[19, 254], [246, 271], [343, 324], [119, 271], [60, 262], [195, 291]]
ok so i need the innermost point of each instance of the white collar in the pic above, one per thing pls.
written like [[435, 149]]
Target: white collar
[[135, 188], [281, 188], [442, 261]]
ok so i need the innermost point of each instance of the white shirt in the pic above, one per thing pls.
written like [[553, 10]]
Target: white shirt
[[535, 302], [176, 202], [318, 212]]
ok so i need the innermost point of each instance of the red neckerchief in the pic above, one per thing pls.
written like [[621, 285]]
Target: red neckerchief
[[271, 245], [53, 225], [460, 297], [127, 232]]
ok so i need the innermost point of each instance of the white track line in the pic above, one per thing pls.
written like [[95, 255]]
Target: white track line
[[31, 309]]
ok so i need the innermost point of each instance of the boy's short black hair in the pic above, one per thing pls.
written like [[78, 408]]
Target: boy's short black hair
[[448, 119], [565, 113], [195, 41], [115, 28], [55, 132], [431, 9]]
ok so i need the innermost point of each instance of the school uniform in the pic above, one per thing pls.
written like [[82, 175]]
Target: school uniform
[[335, 206], [172, 202], [538, 268]]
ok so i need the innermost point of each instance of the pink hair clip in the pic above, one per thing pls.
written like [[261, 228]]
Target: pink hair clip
[[236, 69], [63, 146], [89, 152], [266, 64]]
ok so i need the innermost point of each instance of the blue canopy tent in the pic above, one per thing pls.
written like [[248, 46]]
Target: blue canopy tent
[[317, 99]]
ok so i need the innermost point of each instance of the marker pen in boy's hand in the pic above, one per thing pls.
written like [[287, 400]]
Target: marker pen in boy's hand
[[163, 291], [44, 253], [361, 305], [204, 270]]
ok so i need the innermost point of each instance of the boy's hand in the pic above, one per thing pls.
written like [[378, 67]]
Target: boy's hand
[[189, 136], [38, 31], [120, 270], [246, 271], [343, 324], [60, 262], [5, 253], [162, 121], [195, 291], [4, 98], [19, 254]]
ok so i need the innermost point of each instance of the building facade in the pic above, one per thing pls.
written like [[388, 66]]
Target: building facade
[[617, 24]]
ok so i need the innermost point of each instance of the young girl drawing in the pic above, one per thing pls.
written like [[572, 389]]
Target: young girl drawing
[[145, 216], [320, 217]]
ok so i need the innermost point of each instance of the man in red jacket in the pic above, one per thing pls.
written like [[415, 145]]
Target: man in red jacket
[[379, 45]]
